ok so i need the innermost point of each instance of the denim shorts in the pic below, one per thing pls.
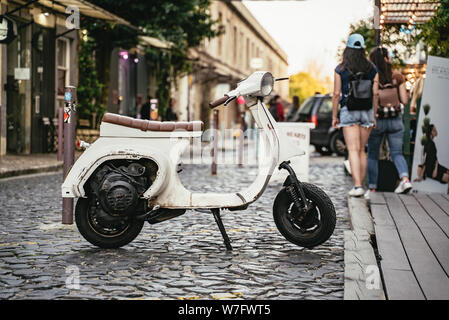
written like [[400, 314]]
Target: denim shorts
[[364, 118]]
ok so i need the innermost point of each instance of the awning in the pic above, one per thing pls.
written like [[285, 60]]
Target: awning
[[154, 42], [87, 9], [407, 11]]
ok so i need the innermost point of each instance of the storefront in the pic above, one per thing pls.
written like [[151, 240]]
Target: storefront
[[35, 67]]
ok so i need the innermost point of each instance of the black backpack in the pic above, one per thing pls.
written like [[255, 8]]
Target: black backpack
[[360, 96]]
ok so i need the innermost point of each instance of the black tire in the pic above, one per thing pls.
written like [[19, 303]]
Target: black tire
[[325, 224], [337, 144], [324, 151], [98, 239]]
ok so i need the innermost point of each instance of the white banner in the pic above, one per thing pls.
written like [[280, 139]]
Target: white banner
[[431, 155]]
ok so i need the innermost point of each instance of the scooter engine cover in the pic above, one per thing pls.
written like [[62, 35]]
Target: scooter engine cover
[[117, 196]]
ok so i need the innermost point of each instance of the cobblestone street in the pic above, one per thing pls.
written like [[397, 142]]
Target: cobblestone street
[[183, 258]]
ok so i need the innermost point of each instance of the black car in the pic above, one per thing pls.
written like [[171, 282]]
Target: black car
[[326, 139]]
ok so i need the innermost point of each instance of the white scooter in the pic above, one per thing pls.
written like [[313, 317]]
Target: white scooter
[[130, 175]]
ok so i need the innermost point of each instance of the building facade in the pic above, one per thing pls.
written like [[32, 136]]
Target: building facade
[[35, 68], [221, 62]]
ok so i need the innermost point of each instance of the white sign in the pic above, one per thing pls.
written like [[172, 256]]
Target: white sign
[[431, 155], [22, 73], [298, 136], [256, 63]]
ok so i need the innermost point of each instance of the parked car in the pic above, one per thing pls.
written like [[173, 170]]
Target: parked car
[[326, 139]]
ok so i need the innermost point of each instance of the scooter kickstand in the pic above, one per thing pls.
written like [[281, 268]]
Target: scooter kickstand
[[227, 242]]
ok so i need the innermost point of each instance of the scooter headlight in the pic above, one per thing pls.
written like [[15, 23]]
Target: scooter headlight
[[267, 84]]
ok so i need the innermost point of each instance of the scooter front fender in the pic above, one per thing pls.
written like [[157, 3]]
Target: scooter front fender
[[105, 149]]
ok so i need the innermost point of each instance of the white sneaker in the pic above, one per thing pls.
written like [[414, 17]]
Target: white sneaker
[[367, 194], [347, 166], [404, 187], [356, 192]]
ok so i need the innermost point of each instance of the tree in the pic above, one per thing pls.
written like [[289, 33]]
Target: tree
[[304, 86], [391, 37], [435, 32], [184, 23]]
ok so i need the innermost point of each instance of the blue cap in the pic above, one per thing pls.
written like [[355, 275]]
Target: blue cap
[[355, 41]]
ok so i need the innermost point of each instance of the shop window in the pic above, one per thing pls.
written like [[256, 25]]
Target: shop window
[[62, 64]]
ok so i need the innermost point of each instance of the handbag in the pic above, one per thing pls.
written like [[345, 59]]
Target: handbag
[[388, 176]]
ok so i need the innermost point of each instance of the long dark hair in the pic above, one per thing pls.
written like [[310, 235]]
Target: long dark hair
[[377, 56], [355, 61]]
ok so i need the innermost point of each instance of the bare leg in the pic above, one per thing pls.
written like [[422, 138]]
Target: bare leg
[[364, 135], [352, 139]]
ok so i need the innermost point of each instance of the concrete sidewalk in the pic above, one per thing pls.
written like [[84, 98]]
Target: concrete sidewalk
[[16, 165]]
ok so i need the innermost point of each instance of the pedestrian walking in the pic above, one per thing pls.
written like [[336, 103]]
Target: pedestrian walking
[[277, 109], [170, 114], [392, 92], [294, 107], [356, 91], [146, 109]]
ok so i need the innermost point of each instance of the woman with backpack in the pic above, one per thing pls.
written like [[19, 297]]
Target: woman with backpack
[[392, 93], [355, 89]]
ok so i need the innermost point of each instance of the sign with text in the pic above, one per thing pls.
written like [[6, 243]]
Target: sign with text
[[430, 171]]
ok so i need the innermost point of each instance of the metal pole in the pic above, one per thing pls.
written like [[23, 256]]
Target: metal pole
[[215, 143], [377, 38], [69, 147], [60, 133], [242, 134]]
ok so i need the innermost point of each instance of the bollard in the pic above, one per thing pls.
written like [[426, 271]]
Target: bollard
[[60, 133], [215, 143], [241, 109], [69, 147]]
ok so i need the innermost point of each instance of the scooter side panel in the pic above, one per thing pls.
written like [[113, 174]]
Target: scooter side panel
[[105, 149]]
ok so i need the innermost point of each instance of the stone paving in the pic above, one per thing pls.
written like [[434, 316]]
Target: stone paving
[[183, 258]]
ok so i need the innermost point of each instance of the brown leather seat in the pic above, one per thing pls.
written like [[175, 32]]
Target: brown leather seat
[[148, 125]]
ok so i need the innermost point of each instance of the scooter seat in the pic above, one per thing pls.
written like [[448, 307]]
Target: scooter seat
[[149, 125]]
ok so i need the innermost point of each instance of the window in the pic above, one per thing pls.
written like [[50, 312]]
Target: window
[[220, 38], [247, 53], [307, 105], [62, 64], [326, 106], [235, 46]]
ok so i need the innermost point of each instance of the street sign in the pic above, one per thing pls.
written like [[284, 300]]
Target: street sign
[[22, 73], [8, 30], [256, 63]]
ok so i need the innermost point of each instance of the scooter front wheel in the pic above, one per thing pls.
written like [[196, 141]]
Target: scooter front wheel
[[100, 235], [317, 226]]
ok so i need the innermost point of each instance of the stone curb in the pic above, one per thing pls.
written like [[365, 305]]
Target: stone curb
[[30, 170], [360, 259]]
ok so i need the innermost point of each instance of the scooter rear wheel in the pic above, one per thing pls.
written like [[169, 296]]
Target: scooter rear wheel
[[316, 228], [100, 236]]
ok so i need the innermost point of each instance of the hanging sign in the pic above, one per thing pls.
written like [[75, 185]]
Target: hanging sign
[[8, 30]]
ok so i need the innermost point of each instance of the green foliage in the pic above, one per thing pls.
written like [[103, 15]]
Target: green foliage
[[425, 125], [435, 32], [390, 35], [184, 23], [90, 90], [304, 86]]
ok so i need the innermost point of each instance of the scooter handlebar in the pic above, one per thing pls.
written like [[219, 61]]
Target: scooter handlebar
[[218, 102]]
